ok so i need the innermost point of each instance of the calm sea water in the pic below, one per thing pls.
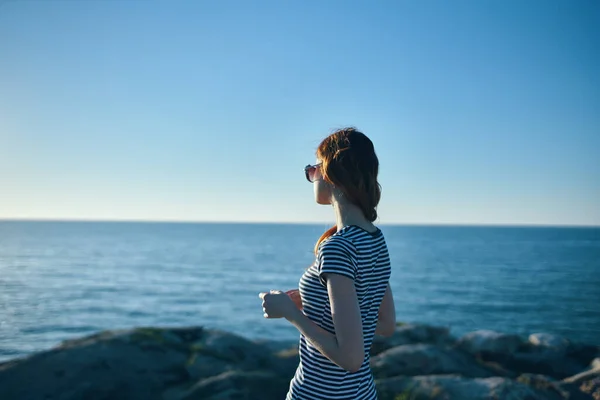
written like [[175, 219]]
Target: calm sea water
[[63, 280]]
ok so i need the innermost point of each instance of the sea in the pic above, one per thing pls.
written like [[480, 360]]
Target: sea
[[60, 280]]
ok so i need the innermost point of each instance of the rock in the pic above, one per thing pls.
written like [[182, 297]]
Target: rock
[[496, 368], [196, 363], [543, 354], [551, 364], [592, 388], [412, 334], [285, 362], [490, 342], [425, 333], [277, 345], [546, 383], [199, 366], [584, 376], [583, 353], [447, 387], [549, 342], [565, 390], [425, 359], [239, 385], [233, 349], [558, 346], [134, 364]]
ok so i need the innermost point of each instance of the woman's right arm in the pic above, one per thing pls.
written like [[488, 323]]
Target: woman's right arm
[[386, 320]]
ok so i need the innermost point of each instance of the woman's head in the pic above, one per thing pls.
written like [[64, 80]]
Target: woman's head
[[348, 166]]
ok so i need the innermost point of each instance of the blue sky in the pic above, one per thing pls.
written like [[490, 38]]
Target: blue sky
[[480, 111]]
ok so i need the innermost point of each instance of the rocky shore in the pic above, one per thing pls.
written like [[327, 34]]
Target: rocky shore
[[417, 362]]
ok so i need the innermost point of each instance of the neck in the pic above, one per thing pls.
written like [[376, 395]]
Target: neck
[[348, 214]]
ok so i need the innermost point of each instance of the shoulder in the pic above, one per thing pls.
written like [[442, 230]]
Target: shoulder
[[338, 244], [337, 255]]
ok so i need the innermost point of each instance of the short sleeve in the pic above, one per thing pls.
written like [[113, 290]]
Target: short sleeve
[[336, 256]]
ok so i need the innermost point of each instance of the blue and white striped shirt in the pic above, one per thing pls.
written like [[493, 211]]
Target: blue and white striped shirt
[[363, 257]]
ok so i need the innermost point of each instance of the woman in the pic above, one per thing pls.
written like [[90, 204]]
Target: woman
[[345, 297]]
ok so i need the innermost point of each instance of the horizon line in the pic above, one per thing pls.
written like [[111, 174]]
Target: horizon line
[[408, 224]]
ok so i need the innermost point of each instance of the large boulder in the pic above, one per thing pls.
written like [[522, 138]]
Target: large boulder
[[425, 359], [412, 334], [549, 342], [277, 345], [550, 364], [556, 362], [588, 375], [556, 346], [285, 358], [197, 363], [490, 342], [592, 388], [543, 354], [232, 349], [134, 364], [547, 384], [285, 362], [109, 365], [448, 387], [583, 353], [238, 385]]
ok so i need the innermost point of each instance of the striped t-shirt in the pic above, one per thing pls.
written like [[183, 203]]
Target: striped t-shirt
[[363, 257]]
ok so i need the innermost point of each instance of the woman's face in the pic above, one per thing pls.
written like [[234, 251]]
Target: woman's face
[[321, 187]]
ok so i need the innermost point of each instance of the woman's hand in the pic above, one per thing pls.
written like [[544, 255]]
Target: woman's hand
[[277, 304], [295, 296]]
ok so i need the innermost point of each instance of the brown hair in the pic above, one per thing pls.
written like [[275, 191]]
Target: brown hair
[[350, 164]]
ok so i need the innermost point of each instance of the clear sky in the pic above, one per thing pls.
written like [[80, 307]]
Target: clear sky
[[480, 111]]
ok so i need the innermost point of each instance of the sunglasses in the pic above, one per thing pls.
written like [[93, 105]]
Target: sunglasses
[[311, 171]]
